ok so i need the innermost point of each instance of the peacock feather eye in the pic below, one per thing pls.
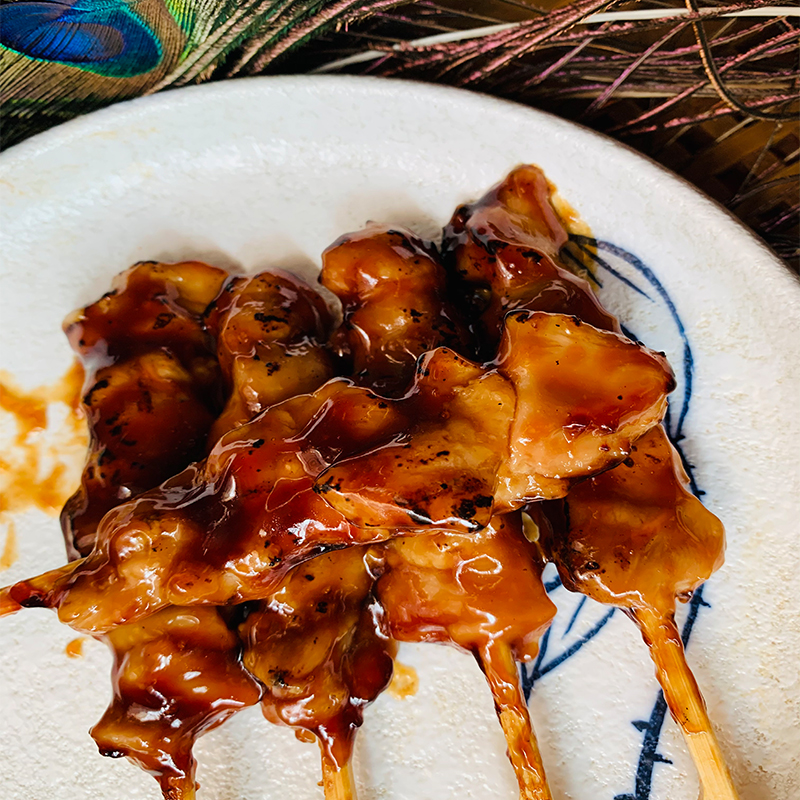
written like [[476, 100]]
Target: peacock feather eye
[[106, 37]]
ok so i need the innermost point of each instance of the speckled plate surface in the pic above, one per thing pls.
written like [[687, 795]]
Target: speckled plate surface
[[267, 172]]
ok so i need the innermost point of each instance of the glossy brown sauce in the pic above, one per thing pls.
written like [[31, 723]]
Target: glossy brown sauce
[[10, 551]]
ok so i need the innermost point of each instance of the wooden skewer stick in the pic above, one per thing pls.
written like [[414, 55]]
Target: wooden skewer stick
[[685, 702], [500, 668], [337, 781], [36, 590], [189, 792]]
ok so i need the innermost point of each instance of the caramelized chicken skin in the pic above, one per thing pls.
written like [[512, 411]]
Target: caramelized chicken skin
[[150, 389], [320, 647], [635, 536], [469, 590], [393, 294], [270, 330], [177, 674]]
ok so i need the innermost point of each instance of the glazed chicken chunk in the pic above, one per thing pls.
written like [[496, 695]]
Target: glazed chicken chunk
[[150, 391], [176, 675], [270, 329], [394, 303], [319, 646]]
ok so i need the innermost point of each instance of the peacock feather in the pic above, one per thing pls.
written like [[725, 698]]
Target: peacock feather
[[672, 78], [107, 37], [59, 58]]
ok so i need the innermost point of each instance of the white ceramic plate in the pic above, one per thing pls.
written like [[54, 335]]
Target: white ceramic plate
[[267, 172]]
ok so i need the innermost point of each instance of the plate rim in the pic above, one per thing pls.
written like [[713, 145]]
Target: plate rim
[[213, 92]]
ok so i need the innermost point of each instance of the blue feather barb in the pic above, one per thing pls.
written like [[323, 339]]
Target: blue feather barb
[[107, 37]]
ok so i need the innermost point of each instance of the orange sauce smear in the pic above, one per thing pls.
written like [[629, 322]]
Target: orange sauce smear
[[405, 682], [43, 445], [74, 648]]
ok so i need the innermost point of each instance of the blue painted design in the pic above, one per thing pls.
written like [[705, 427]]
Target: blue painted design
[[543, 664], [552, 585], [574, 616], [584, 623], [649, 755], [103, 36], [589, 245], [586, 246]]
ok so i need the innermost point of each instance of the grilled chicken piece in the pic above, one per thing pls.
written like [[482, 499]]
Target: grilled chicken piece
[[483, 593], [488, 440], [176, 675], [633, 536], [503, 251], [270, 330], [150, 390], [320, 648], [394, 303]]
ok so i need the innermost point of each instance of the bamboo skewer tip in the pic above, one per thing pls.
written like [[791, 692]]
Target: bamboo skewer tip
[[686, 703], [502, 674], [337, 781]]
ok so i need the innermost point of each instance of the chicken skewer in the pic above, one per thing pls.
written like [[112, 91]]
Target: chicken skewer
[[151, 378], [184, 666], [454, 589], [270, 496], [441, 587], [321, 689], [505, 250], [636, 538], [150, 387]]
